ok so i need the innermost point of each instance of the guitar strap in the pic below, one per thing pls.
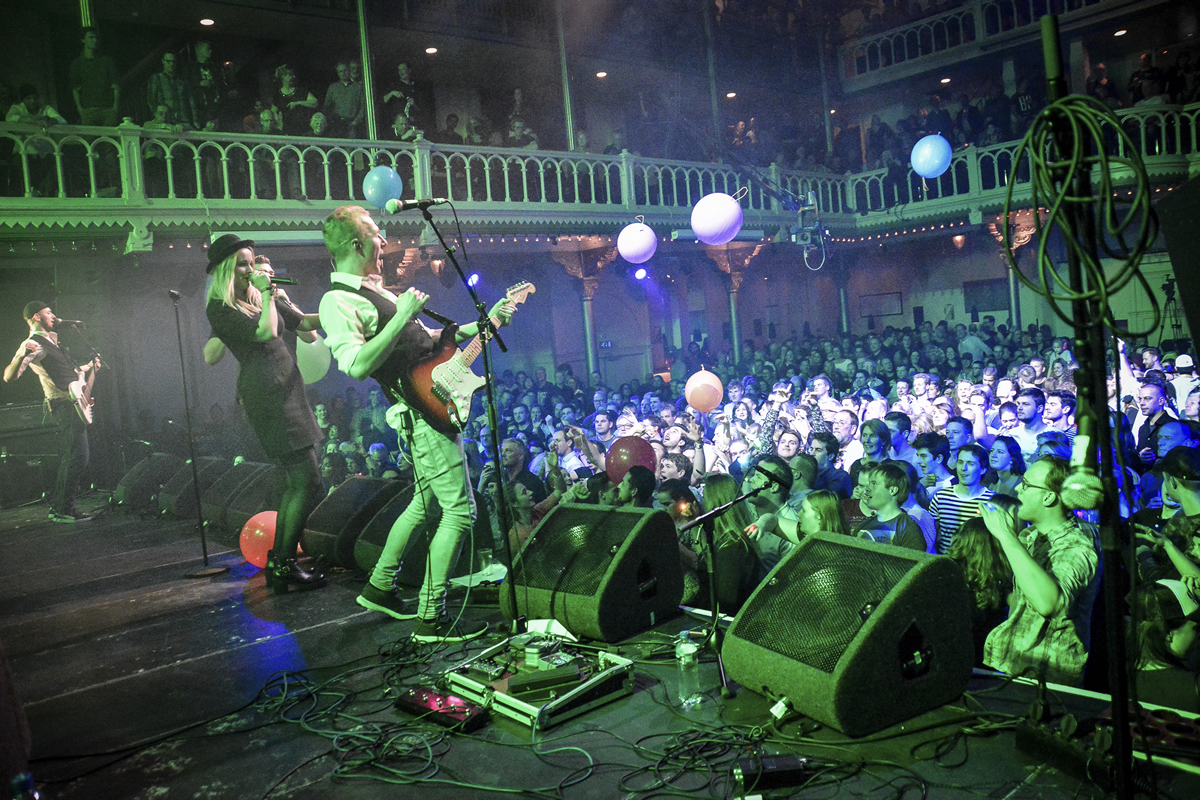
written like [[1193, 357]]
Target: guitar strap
[[56, 361]]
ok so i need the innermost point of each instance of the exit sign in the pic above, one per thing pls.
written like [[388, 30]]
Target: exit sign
[[606, 344]]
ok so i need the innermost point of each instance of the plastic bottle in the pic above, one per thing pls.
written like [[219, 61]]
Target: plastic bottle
[[687, 657]]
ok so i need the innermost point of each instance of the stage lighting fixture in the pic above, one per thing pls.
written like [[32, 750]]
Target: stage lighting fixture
[[473, 280], [640, 274]]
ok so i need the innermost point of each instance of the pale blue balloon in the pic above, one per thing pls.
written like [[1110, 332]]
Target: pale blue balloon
[[382, 184], [931, 156]]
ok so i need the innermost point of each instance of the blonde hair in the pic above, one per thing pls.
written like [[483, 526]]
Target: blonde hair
[[222, 287], [828, 508], [342, 227]]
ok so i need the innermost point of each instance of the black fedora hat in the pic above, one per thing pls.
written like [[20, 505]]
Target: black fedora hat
[[223, 247]]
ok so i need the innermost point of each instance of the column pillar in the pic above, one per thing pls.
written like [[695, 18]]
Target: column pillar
[[589, 323], [733, 259], [586, 259], [364, 41]]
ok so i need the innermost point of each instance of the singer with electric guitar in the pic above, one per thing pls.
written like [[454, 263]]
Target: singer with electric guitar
[[67, 388], [376, 334]]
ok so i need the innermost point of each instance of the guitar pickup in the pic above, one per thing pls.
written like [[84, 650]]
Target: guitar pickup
[[441, 394]]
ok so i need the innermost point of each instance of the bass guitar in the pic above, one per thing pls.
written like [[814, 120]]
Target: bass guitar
[[81, 391], [440, 387]]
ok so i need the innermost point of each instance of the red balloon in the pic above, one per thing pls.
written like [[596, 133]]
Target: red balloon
[[626, 452], [704, 391], [258, 536]]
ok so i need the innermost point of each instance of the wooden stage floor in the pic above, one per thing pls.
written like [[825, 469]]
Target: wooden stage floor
[[141, 683]]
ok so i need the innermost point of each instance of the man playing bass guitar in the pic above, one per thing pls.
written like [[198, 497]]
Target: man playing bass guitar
[[373, 333], [56, 372]]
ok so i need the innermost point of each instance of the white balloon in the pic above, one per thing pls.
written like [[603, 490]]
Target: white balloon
[[313, 359]]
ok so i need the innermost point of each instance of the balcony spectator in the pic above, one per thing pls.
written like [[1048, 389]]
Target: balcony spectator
[[345, 104], [449, 134], [169, 88], [1181, 78], [402, 97], [521, 135], [404, 131], [206, 83], [154, 156], [1137, 87], [296, 103], [32, 111], [1101, 87], [94, 84], [616, 143], [938, 120]]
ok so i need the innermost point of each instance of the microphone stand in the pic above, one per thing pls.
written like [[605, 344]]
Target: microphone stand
[[716, 636], [207, 571], [487, 332]]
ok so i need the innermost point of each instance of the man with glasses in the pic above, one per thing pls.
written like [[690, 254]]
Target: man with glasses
[[1055, 577], [169, 89]]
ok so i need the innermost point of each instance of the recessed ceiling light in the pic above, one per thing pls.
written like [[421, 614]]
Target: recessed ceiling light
[[1121, 32], [833, 111], [206, 21], [731, 95], [945, 80], [430, 50], [601, 74]]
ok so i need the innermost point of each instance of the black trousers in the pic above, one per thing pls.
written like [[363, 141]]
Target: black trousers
[[72, 445]]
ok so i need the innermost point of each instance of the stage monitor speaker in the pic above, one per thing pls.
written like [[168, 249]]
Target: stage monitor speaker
[[138, 489], [261, 493], [412, 565], [604, 573], [856, 635], [216, 501], [178, 495], [1178, 212], [334, 526]]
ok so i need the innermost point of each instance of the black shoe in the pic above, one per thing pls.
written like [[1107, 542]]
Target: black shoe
[[280, 575], [68, 516], [386, 602], [444, 629]]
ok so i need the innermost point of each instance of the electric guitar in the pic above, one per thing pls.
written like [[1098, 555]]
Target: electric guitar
[[440, 387], [81, 392]]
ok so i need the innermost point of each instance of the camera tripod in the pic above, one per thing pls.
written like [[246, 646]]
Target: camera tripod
[[1170, 314]]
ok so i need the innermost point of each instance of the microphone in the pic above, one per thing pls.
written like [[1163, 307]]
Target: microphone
[[770, 476], [284, 281], [71, 321], [173, 294], [396, 206]]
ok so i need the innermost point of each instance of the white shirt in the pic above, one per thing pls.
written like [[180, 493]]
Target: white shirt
[[350, 319]]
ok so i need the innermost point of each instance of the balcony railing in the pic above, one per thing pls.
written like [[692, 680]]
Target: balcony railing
[[976, 22], [133, 174]]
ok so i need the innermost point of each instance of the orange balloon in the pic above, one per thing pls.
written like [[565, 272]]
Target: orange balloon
[[704, 391], [258, 536]]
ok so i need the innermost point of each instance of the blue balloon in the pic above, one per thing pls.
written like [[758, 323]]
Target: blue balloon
[[931, 156], [382, 184]]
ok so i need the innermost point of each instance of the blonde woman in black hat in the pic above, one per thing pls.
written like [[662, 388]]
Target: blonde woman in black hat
[[270, 391]]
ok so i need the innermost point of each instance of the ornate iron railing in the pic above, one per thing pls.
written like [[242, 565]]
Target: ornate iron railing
[[89, 167]]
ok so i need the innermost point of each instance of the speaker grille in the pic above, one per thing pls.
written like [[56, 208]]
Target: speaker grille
[[814, 615], [574, 554]]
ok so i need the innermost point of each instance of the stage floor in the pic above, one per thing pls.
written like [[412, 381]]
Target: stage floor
[[140, 683]]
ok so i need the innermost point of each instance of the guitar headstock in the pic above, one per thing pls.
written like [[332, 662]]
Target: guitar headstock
[[518, 292]]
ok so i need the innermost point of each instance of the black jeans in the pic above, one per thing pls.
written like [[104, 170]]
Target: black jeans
[[72, 446]]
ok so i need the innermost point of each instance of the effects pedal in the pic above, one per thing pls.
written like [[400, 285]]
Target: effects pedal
[[429, 705]]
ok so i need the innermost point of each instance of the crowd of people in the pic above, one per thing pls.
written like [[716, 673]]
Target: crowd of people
[[952, 440]]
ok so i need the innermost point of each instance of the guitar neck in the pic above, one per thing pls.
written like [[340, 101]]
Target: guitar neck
[[468, 354]]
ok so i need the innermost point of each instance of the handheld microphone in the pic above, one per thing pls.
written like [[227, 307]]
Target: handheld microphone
[[173, 294], [396, 206], [284, 281], [71, 321]]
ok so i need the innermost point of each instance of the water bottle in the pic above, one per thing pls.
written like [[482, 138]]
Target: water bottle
[[687, 657]]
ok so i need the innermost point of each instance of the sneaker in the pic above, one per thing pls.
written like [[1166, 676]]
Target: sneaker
[[387, 602], [444, 629], [68, 516]]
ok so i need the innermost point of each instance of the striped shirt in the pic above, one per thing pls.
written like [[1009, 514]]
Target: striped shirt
[[950, 510]]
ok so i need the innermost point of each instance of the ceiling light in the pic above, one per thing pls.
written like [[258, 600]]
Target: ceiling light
[[206, 22], [430, 50], [731, 95], [833, 111], [1121, 32], [945, 80], [601, 74]]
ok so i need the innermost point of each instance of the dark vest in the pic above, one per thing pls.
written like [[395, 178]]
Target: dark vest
[[413, 346], [57, 362]]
